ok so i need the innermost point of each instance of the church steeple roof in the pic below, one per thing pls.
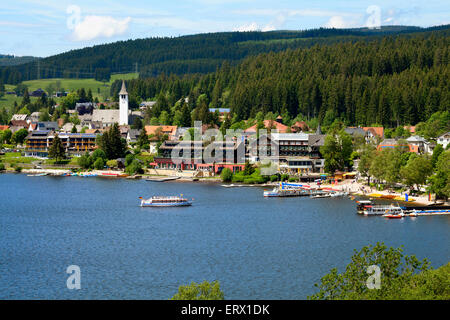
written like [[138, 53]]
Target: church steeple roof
[[124, 89]]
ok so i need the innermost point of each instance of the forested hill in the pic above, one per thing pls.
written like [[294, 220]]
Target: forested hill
[[200, 53], [10, 60], [390, 81]]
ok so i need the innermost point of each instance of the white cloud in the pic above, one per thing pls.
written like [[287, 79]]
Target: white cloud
[[338, 22], [93, 27], [248, 27]]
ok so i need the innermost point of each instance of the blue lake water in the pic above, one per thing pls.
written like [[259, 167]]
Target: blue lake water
[[257, 248]]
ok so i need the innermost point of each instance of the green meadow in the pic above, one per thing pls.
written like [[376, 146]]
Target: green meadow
[[99, 89]]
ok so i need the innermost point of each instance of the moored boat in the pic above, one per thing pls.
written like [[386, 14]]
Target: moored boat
[[162, 201]]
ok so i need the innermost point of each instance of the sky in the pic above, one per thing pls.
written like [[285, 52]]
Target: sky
[[43, 28]]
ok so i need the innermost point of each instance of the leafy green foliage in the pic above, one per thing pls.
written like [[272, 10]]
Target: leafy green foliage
[[440, 181], [202, 291], [417, 170], [402, 277], [337, 151], [226, 175]]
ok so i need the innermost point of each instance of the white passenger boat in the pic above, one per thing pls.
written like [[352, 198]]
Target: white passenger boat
[[161, 201], [278, 192], [382, 210]]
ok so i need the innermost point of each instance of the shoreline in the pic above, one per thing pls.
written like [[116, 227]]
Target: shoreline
[[353, 188]]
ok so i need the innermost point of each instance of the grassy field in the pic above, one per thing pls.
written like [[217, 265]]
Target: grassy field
[[99, 89]]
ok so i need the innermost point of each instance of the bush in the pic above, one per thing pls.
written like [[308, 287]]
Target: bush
[[99, 164], [293, 179], [84, 161], [226, 175], [2, 167], [284, 177], [203, 291], [18, 169], [274, 178], [134, 167], [111, 163], [238, 177]]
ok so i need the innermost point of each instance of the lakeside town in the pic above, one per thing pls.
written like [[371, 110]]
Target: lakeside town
[[89, 140]]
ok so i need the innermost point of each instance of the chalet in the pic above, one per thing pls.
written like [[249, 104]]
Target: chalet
[[373, 133], [444, 140], [16, 125]]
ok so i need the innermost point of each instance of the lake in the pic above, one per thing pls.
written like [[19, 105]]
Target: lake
[[258, 248]]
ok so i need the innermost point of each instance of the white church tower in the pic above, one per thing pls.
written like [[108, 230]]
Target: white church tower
[[123, 105]]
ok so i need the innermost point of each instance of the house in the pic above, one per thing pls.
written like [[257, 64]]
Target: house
[[69, 126], [34, 117], [133, 135], [373, 132], [444, 140], [84, 107], [37, 93], [124, 131], [356, 131], [47, 125], [269, 124], [16, 125], [169, 130], [146, 104], [60, 94], [423, 145], [299, 126]]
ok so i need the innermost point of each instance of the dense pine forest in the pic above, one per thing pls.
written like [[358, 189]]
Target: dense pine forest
[[393, 80], [202, 53]]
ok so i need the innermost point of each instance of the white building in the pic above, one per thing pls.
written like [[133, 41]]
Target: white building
[[123, 105], [423, 145], [444, 140]]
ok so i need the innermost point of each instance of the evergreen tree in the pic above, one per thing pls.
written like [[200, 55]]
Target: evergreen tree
[[56, 150]]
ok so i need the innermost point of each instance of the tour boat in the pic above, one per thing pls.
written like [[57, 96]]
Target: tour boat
[[361, 205], [277, 192], [161, 201], [382, 210], [394, 213]]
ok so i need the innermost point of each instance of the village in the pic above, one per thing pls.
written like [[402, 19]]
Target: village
[[169, 152]]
